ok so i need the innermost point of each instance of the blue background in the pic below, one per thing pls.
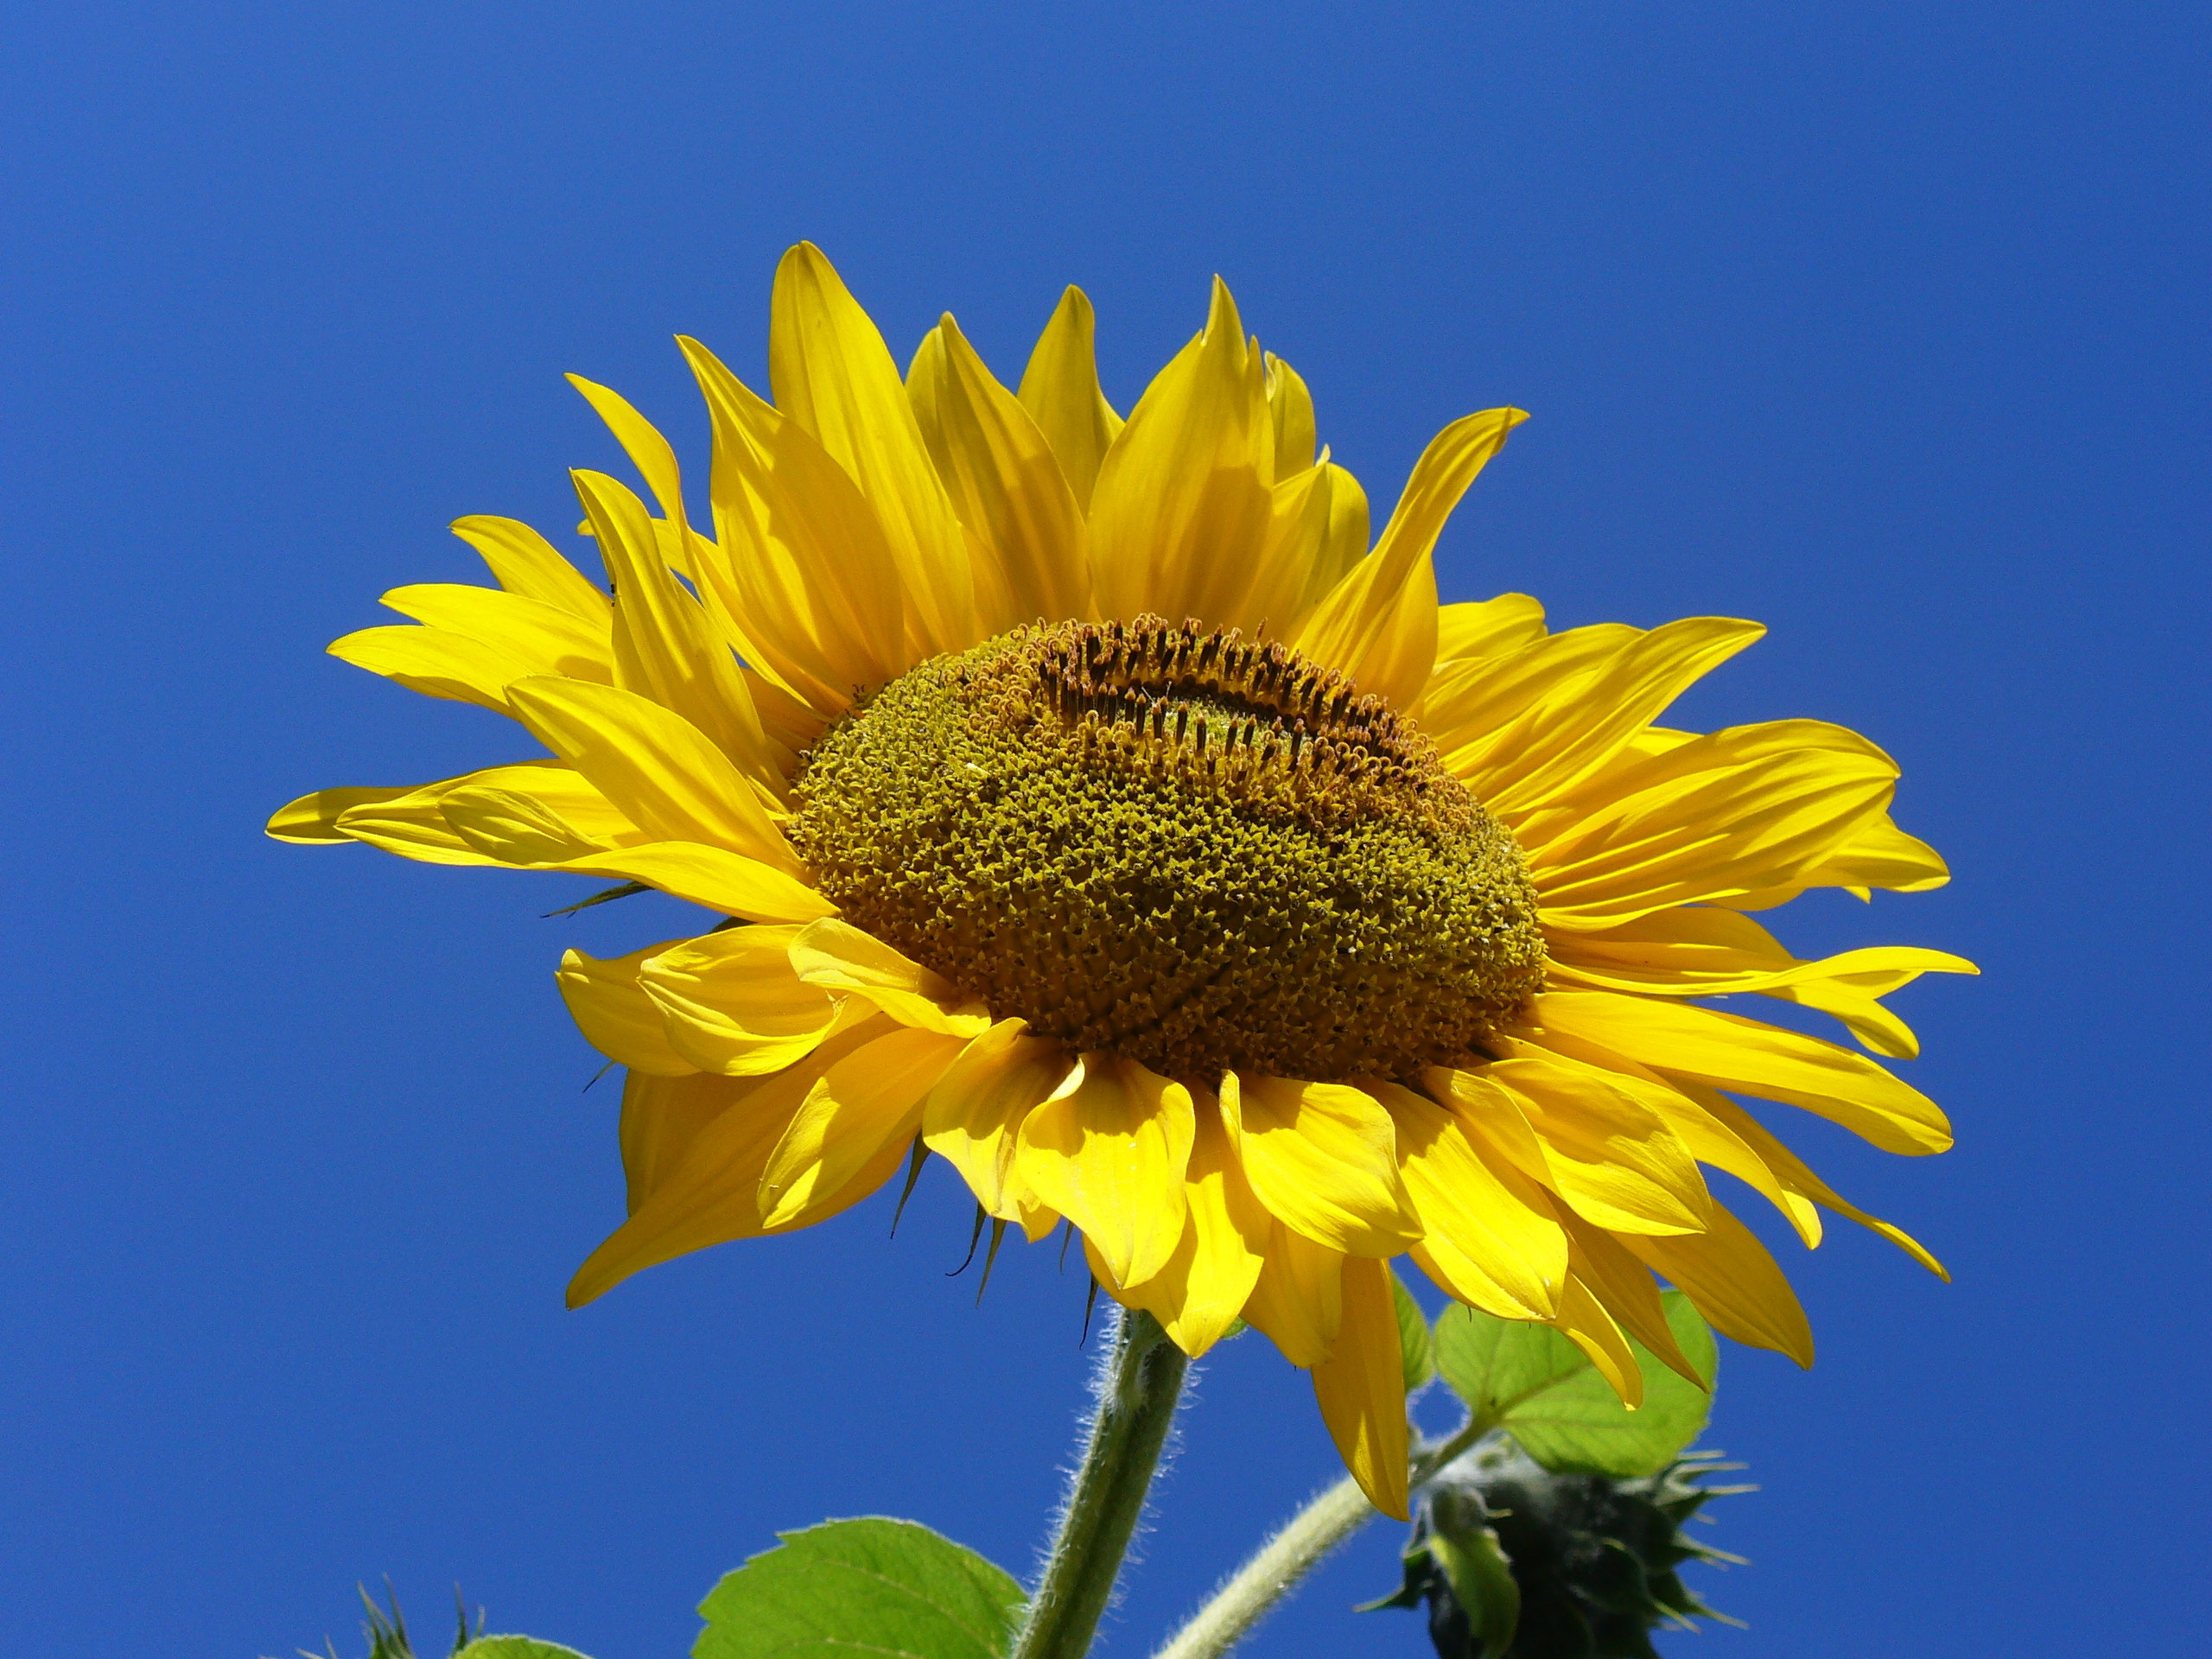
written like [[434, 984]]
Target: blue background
[[1886, 326]]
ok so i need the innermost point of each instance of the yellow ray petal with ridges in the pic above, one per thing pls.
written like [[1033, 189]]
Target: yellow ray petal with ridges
[[1621, 1282], [1680, 1107], [1004, 481], [511, 827], [523, 561], [1725, 1051], [312, 819], [712, 1196], [667, 647], [833, 375], [867, 1102], [1794, 1174], [655, 458], [1109, 1150], [1201, 1291], [1321, 526], [838, 956], [1290, 413], [806, 562], [732, 1004], [436, 663], [532, 630], [1487, 628], [1610, 1158], [1469, 703], [660, 770], [1180, 520], [661, 1119], [1492, 1114], [1583, 1321], [1735, 1283], [973, 1116], [713, 876], [1378, 625], [414, 825], [1297, 1302], [1059, 388], [615, 1015], [1565, 737], [1481, 1241], [1361, 1386], [1323, 1158]]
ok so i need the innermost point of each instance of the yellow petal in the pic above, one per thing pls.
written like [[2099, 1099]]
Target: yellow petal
[[1619, 1280], [615, 1015], [713, 876], [1736, 1285], [436, 663], [654, 764], [1362, 1388], [1059, 389], [1613, 1160], [1583, 1321], [1378, 625], [1109, 1151], [313, 818], [413, 825], [1323, 1158], [1491, 1113], [1469, 704], [973, 1116], [1565, 738], [1290, 417], [712, 1195], [1334, 534], [807, 569], [1482, 1240], [1488, 627], [1792, 1172], [1004, 482], [523, 561], [554, 640], [1297, 1302], [833, 375], [1724, 1050], [661, 1118], [666, 646], [1180, 518], [511, 827], [838, 956], [869, 1101], [1201, 1291], [732, 1004], [1716, 817]]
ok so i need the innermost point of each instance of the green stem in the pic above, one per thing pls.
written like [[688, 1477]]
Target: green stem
[[1310, 1535], [1139, 1383]]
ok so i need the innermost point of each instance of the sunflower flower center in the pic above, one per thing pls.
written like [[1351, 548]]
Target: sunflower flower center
[[1191, 850]]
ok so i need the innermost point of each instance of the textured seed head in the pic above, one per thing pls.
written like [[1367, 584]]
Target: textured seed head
[[1191, 849]]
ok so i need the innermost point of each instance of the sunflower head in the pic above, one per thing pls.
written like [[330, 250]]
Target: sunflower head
[[1124, 825], [1175, 846]]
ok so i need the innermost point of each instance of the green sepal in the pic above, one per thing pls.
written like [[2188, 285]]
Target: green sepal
[[1481, 1583], [1417, 1566]]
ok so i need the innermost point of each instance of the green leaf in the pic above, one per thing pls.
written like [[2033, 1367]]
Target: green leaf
[[514, 1647], [1414, 1345], [891, 1587], [1532, 1381]]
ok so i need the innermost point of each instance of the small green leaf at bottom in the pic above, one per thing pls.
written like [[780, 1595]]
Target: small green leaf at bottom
[[514, 1647], [1414, 1346], [871, 1583]]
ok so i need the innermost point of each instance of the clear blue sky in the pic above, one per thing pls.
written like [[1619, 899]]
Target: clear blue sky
[[1884, 324]]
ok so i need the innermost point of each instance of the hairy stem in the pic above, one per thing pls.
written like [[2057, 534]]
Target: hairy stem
[[1310, 1535], [1139, 1384]]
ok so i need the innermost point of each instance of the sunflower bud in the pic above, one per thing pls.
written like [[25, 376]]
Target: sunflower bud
[[1516, 1562]]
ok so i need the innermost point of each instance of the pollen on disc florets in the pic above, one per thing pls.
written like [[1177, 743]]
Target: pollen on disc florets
[[1195, 851]]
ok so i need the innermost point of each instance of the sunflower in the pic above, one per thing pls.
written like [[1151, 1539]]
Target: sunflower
[[1090, 805]]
